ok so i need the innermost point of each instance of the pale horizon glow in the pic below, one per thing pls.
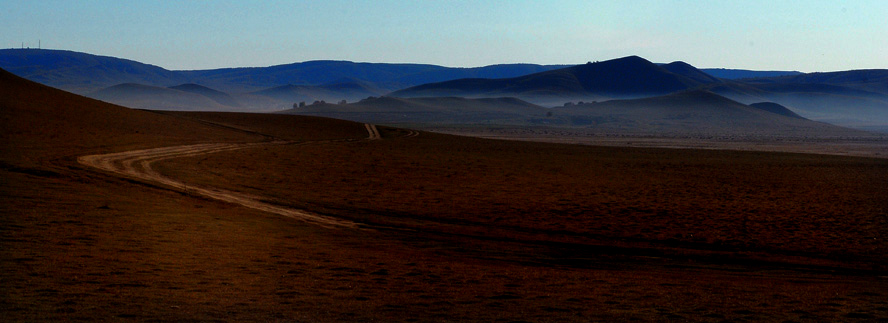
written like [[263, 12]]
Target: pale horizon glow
[[807, 36]]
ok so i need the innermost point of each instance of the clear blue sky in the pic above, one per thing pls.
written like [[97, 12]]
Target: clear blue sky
[[804, 35]]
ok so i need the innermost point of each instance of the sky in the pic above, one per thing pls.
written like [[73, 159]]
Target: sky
[[803, 35]]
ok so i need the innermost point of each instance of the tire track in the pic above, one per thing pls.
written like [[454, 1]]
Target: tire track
[[374, 133], [137, 164]]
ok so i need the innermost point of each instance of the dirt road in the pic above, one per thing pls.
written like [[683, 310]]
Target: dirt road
[[374, 133], [137, 164]]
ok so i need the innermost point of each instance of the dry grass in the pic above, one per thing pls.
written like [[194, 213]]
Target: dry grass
[[786, 205], [97, 248]]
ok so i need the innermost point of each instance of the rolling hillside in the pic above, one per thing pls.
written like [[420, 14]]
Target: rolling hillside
[[218, 96], [348, 90], [848, 98], [776, 108], [445, 110], [619, 78], [734, 74], [868, 80], [851, 99], [141, 96], [84, 73], [80, 72], [695, 112], [50, 121]]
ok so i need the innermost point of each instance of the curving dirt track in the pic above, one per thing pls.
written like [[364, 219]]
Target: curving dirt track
[[137, 164], [374, 133]]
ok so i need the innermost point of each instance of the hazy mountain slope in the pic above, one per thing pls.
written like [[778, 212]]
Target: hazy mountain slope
[[81, 72], [41, 121], [875, 80], [491, 72], [84, 73], [388, 77], [289, 94], [849, 98], [844, 110], [693, 112], [686, 70], [218, 96], [849, 104], [624, 77], [734, 74], [142, 96], [434, 110], [775, 108], [305, 73]]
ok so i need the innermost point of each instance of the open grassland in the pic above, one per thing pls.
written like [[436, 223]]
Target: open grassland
[[777, 206], [90, 247], [455, 229], [849, 143]]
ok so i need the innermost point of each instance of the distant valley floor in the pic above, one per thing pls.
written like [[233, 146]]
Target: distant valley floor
[[875, 146]]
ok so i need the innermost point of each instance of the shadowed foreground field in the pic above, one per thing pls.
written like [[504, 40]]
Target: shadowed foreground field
[[808, 209], [455, 229]]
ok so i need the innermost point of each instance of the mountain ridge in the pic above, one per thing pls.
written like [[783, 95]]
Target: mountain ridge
[[630, 76], [857, 98], [83, 73]]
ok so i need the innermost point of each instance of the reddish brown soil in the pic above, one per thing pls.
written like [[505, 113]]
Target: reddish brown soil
[[782, 205], [568, 241]]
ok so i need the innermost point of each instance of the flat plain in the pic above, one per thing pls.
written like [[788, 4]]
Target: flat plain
[[451, 228]]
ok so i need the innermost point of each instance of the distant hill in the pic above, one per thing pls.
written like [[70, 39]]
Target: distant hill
[[80, 72], [776, 108], [45, 120], [388, 77], [851, 98], [630, 76], [349, 91], [875, 80], [442, 110], [142, 96], [694, 112], [218, 96], [735, 74], [498, 71], [686, 70], [848, 98], [84, 73]]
